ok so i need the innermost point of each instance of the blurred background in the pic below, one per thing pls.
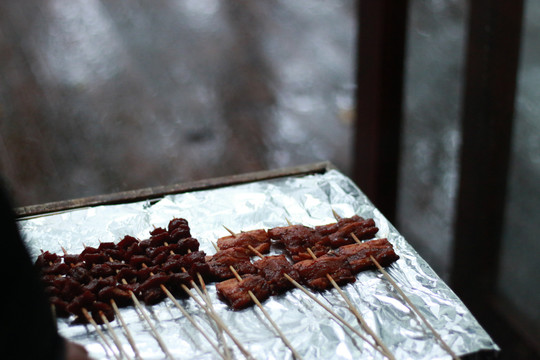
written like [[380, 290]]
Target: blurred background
[[99, 96]]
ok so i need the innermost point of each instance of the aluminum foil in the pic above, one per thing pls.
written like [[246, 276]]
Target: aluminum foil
[[311, 330]]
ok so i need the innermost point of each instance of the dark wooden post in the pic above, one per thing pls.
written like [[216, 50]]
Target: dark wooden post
[[380, 59], [493, 46]]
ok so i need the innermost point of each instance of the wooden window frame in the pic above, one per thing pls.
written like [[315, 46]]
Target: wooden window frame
[[492, 57]]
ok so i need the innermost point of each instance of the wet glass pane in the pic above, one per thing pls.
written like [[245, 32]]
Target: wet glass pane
[[520, 269], [104, 96], [433, 94]]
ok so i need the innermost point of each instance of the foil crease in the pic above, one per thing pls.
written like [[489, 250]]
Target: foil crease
[[307, 200]]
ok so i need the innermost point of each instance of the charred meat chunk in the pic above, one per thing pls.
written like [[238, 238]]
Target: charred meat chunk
[[102, 270], [126, 242], [152, 296], [173, 283], [106, 245], [60, 306], [85, 300], [119, 294], [88, 250], [176, 281], [144, 273], [68, 288], [115, 254], [80, 274], [333, 227], [258, 239], [221, 261], [46, 258], [116, 265], [57, 268], [235, 293], [96, 284], [179, 229], [272, 268], [152, 252], [174, 263], [363, 230], [128, 274], [296, 239], [95, 310], [99, 309], [49, 280], [132, 250], [154, 281], [158, 230], [358, 255], [160, 259], [51, 291], [71, 259], [313, 273], [159, 239], [94, 258], [144, 244], [137, 261], [186, 245], [195, 263]]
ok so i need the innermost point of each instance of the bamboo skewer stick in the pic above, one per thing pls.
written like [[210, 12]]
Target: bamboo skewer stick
[[182, 310], [383, 348], [405, 298], [152, 327], [124, 326], [209, 309], [225, 356], [213, 315], [356, 313], [334, 314], [287, 343], [415, 309], [206, 297], [126, 330], [94, 324], [155, 333], [191, 320], [99, 332], [141, 310], [218, 320], [186, 314], [115, 338], [229, 230], [296, 355], [385, 351]]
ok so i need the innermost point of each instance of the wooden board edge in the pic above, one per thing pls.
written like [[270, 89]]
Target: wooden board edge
[[154, 193]]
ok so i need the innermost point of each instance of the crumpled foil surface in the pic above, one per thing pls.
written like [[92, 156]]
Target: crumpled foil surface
[[307, 200]]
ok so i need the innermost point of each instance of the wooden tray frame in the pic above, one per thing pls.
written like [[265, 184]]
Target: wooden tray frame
[[154, 193]]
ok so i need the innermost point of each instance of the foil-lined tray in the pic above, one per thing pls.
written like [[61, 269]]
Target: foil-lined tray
[[307, 200]]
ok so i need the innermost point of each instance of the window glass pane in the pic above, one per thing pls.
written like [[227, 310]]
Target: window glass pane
[[520, 269], [104, 96], [433, 94]]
